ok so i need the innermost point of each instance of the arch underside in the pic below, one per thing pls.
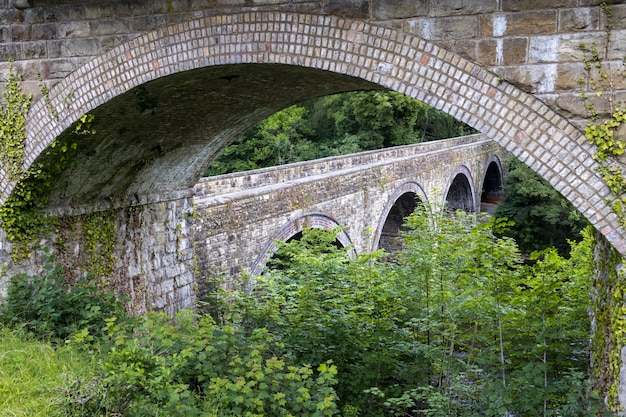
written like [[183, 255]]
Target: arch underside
[[167, 102]]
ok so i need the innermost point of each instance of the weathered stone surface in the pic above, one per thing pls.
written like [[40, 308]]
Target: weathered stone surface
[[462, 27], [462, 7], [521, 5], [399, 9], [572, 20]]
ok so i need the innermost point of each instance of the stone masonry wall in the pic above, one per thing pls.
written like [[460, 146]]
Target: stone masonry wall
[[144, 252], [533, 44]]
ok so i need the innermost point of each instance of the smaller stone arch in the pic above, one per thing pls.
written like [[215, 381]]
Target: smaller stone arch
[[492, 192], [460, 192], [400, 204], [295, 227]]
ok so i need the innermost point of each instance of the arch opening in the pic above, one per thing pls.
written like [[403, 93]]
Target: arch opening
[[293, 230], [492, 190], [390, 235], [459, 196]]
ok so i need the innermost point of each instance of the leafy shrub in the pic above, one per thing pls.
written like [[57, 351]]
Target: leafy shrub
[[46, 307], [192, 367]]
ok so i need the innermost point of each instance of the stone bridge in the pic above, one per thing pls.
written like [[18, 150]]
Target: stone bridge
[[171, 82], [239, 217]]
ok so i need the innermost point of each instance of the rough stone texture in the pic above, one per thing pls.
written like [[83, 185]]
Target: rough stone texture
[[153, 254], [240, 215]]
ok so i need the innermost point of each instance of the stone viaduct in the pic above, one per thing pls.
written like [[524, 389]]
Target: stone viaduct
[[240, 216], [171, 82]]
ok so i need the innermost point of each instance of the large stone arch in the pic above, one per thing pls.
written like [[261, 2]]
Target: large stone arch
[[293, 228], [353, 54]]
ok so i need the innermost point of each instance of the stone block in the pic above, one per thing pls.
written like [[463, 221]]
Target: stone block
[[7, 16], [108, 27], [146, 23], [399, 9], [20, 33], [618, 18], [32, 15], [10, 51], [462, 27], [75, 29], [64, 13], [81, 47], [44, 31], [57, 68], [34, 50], [530, 23], [617, 45], [99, 10], [579, 19], [462, 7], [521, 5], [355, 9]]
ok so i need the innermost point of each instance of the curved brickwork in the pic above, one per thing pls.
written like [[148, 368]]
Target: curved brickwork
[[292, 228], [366, 51]]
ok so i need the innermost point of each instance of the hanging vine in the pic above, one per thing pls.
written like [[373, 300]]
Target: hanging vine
[[13, 111], [22, 216]]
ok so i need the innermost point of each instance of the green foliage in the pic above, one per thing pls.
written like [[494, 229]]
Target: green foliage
[[456, 326], [22, 215], [336, 125], [542, 217], [192, 367], [47, 308], [13, 110]]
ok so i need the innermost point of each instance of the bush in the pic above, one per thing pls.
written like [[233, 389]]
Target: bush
[[192, 367], [48, 309]]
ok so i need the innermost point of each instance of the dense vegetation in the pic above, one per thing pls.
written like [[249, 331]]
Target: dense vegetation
[[456, 325], [336, 125], [541, 216]]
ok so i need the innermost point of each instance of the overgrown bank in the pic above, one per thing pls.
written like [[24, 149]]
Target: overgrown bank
[[458, 327]]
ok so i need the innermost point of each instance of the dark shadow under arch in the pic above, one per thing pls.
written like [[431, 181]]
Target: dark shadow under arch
[[492, 193], [460, 193], [403, 201]]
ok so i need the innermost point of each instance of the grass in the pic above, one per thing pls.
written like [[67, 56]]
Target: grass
[[33, 374]]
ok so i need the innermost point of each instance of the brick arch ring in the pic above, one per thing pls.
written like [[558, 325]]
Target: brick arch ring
[[399, 61], [463, 172], [292, 228], [407, 187]]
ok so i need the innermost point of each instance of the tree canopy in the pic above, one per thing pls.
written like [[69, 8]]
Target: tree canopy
[[336, 125]]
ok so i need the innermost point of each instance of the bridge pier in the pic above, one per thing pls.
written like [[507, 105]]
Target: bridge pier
[[143, 251]]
